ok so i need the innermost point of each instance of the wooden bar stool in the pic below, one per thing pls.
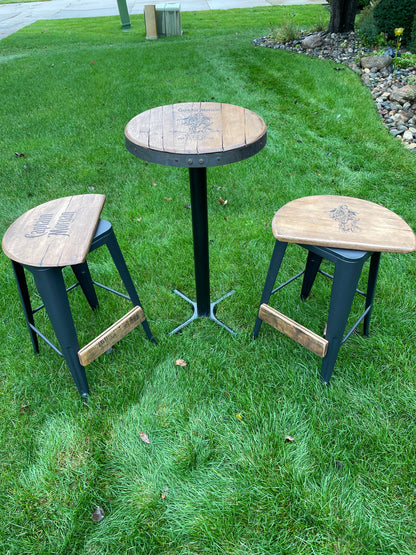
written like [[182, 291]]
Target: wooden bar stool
[[43, 241], [346, 231]]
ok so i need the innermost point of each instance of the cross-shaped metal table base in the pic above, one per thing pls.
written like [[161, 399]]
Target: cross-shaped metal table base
[[195, 315]]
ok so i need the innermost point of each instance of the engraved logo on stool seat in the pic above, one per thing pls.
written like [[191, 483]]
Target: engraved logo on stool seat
[[347, 219], [41, 226]]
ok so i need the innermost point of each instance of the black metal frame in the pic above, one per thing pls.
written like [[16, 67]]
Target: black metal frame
[[348, 268], [50, 284], [203, 307]]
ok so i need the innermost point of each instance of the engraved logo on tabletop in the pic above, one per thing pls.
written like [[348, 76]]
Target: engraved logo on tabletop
[[198, 125]]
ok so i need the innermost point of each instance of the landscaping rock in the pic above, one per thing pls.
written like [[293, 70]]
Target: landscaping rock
[[408, 92], [313, 41], [402, 117], [375, 63]]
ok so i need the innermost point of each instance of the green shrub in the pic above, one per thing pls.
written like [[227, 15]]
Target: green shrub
[[367, 26], [390, 14], [412, 44], [405, 60]]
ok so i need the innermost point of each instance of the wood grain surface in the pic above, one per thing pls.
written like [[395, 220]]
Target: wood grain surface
[[111, 336], [342, 222], [195, 128], [294, 330], [57, 233]]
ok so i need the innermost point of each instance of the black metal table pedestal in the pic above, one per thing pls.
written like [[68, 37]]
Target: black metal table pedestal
[[210, 315], [203, 308]]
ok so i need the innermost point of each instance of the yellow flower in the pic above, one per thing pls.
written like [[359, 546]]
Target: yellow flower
[[398, 31]]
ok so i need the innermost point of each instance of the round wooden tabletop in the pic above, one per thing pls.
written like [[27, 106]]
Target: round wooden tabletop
[[195, 134]]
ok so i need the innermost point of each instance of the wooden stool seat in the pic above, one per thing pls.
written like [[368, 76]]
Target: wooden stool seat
[[346, 231], [342, 222], [50, 237], [57, 233]]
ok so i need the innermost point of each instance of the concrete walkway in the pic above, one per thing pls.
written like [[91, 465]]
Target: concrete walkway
[[16, 16]]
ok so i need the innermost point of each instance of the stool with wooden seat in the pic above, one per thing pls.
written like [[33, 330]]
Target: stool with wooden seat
[[43, 241], [346, 231]]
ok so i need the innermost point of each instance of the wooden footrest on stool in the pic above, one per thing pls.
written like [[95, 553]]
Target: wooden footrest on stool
[[292, 329], [111, 336]]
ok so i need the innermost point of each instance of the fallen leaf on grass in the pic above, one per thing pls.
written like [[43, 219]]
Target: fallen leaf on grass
[[168, 198], [144, 437], [339, 465], [239, 416], [289, 439], [97, 515], [180, 362]]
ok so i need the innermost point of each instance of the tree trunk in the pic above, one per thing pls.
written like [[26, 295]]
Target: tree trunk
[[342, 16]]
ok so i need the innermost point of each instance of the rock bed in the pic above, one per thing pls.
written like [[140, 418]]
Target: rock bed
[[394, 93]]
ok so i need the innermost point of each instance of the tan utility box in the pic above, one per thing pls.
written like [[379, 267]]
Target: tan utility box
[[150, 21]]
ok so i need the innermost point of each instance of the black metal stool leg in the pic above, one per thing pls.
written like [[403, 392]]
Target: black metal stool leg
[[19, 274], [275, 262], [346, 277], [312, 266], [83, 275], [371, 288], [121, 266], [51, 287]]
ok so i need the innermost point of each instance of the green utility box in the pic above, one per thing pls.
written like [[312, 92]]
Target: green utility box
[[168, 19]]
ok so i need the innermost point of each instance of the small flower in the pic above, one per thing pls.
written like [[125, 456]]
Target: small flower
[[398, 31]]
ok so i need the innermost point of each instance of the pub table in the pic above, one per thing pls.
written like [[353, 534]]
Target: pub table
[[197, 135]]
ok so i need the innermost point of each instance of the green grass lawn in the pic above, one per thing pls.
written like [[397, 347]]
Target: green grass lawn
[[20, 1], [217, 476]]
